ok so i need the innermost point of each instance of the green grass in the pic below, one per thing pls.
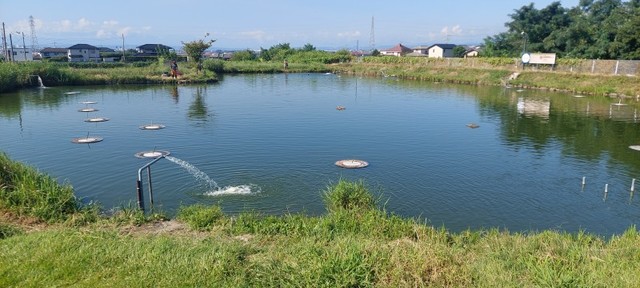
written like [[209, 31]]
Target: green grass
[[356, 244], [27, 192]]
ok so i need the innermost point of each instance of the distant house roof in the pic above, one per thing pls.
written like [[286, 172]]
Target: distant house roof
[[153, 47], [54, 50], [106, 49], [83, 46], [421, 47], [399, 48], [444, 46]]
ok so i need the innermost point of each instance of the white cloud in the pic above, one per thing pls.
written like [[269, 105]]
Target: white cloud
[[257, 35], [350, 34], [455, 30]]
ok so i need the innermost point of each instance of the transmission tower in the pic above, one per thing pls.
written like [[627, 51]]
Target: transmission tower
[[372, 37], [34, 39]]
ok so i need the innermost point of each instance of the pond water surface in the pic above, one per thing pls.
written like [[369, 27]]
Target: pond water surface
[[270, 143]]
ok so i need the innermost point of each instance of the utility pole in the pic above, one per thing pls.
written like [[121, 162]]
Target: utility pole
[[11, 52], [24, 48], [5, 52], [123, 47]]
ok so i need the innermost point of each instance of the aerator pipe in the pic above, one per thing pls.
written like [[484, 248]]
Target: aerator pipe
[[139, 183]]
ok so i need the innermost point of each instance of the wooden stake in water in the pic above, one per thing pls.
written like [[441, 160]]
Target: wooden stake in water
[[606, 188], [633, 185], [583, 182]]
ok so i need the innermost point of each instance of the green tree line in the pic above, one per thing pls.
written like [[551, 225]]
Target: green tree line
[[595, 29]]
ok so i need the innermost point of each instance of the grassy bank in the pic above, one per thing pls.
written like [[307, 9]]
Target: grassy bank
[[355, 244], [490, 71], [493, 72], [14, 76]]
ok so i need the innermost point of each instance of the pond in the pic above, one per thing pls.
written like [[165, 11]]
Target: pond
[[454, 156]]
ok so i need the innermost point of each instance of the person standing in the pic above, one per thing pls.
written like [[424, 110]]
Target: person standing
[[286, 64], [174, 69]]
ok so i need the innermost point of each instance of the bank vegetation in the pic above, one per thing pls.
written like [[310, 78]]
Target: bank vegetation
[[50, 238]]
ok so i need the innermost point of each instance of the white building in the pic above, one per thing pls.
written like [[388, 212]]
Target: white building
[[83, 53], [441, 50], [20, 54]]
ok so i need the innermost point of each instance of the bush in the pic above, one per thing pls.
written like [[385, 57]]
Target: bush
[[200, 217], [213, 65], [345, 195]]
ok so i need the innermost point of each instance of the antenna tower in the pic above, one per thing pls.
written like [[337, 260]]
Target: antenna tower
[[372, 37], [34, 39]]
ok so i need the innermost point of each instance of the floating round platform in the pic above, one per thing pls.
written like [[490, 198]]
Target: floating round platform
[[88, 102], [88, 109], [152, 127], [635, 147], [152, 154], [86, 140], [71, 93], [97, 119], [578, 96], [352, 163]]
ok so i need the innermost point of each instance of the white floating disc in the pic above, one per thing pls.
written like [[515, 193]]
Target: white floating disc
[[152, 127], [97, 119], [352, 163], [86, 140], [152, 154], [635, 147], [88, 109]]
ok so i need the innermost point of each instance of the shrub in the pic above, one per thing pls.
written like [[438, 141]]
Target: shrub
[[7, 231], [346, 195], [200, 217]]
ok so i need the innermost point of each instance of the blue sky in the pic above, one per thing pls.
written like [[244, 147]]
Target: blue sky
[[252, 24]]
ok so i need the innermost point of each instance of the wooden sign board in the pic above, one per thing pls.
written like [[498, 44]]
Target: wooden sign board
[[543, 58]]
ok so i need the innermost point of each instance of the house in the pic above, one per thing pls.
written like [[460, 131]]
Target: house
[[420, 51], [83, 53], [441, 50], [152, 49], [398, 50], [20, 54], [49, 52], [472, 52]]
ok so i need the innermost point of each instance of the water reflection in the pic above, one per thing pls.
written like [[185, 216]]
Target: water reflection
[[198, 110], [174, 93]]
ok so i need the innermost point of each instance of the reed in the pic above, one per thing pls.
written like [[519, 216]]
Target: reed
[[27, 192]]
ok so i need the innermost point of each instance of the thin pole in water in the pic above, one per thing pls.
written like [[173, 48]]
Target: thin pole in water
[[633, 185]]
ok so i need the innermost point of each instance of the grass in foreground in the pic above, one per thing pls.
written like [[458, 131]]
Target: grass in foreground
[[354, 245]]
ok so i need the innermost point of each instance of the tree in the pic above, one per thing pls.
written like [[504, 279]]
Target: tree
[[308, 47], [195, 49], [458, 51], [243, 55]]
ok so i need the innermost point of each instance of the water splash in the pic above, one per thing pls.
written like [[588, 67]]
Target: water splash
[[193, 170], [234, 190]]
